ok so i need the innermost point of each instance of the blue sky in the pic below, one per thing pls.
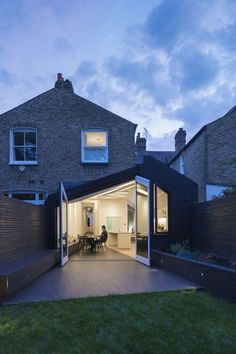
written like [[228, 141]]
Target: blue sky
[[161, 64]]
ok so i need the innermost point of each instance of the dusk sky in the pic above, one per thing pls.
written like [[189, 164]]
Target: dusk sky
[[161, 64]]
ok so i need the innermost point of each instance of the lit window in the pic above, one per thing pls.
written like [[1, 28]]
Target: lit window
[[162, 211], [94, 146], [23, 146], [37, 198]]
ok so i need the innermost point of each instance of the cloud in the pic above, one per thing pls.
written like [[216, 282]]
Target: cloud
[[7, 78], [61, 45], [167, 22], [198, 70], [175, 65]]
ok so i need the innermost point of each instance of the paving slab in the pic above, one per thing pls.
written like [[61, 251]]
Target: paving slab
[[98, 275]]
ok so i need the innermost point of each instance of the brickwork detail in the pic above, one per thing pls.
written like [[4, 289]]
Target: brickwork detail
[[59, 116]]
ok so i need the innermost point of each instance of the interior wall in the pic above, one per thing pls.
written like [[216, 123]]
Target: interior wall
[[131, 198], [113, 207], [75, 219]]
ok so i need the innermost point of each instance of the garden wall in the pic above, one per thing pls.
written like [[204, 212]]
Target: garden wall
[[23, 229], [217, 279], [214, 226]]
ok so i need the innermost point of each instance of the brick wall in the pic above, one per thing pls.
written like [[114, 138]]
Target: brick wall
[[221, 150], [211, 157], [59, 115], [218, 280]]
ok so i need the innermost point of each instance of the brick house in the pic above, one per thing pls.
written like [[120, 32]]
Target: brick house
[[209, 158], [59, 135], [83, 162]]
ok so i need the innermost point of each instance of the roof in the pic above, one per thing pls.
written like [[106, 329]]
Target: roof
[[150, 169], [64, 96], [163, 156], [84, 188], [72, 184], [232, 110]]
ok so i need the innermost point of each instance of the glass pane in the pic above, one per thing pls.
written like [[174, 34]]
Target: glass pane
[[142, 220], [30, 154], [41, 196], [95, 155], [64, 227], [95, 139], [24, 196], [18, 138], [30, 138], [18, 154], [162, 210]]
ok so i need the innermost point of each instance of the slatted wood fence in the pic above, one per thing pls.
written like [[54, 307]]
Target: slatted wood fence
[[214, 226], [23, 229]]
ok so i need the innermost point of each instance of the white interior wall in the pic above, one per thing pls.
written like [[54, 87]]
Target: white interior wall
[[75, 219], [131, 197], [102, 208], [112, 207]]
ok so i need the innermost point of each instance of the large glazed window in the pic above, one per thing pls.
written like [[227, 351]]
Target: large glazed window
[[23, 146], [162, 210], [94, 146]]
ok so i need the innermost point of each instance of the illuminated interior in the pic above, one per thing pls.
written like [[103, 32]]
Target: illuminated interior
[[162, 211], [113, 207]]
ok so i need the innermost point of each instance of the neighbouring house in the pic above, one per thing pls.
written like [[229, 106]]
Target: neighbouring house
[[209, 158], [59, 135]]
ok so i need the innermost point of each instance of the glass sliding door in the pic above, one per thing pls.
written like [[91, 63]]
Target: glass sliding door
[[142, 220], [63, 226]]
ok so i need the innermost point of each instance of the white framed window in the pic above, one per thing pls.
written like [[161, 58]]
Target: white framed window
[[37, 198], [23, 146], [94, 146]]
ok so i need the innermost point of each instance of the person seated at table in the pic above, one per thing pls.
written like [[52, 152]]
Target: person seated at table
[[102, 238]]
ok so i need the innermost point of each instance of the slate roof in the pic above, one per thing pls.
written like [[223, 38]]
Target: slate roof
[[163, 156]]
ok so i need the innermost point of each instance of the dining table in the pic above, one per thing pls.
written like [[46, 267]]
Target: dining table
[[85, 243]]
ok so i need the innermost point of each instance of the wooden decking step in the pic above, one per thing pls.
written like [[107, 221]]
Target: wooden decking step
[[15, 274]]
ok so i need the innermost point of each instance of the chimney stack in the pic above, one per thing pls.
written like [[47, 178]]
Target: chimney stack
[[180, 140], [140, 149], [61, 84]]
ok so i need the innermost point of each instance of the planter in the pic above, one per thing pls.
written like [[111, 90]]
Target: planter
[[217, 279]]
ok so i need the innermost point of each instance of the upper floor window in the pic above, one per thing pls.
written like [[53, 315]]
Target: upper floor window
[[94, 146], [23, 146]]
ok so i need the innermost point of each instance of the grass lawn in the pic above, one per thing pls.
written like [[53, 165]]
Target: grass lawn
[[174, 322]]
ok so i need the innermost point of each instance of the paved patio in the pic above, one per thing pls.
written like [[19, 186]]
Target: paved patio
[[102, 274]]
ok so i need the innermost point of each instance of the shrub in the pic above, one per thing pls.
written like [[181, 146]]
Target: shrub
[[175, 248]]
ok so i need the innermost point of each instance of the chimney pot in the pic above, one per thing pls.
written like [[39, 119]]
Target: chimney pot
[[60, 77]]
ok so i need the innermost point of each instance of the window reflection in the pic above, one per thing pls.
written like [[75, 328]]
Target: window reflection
[[162, 211]]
